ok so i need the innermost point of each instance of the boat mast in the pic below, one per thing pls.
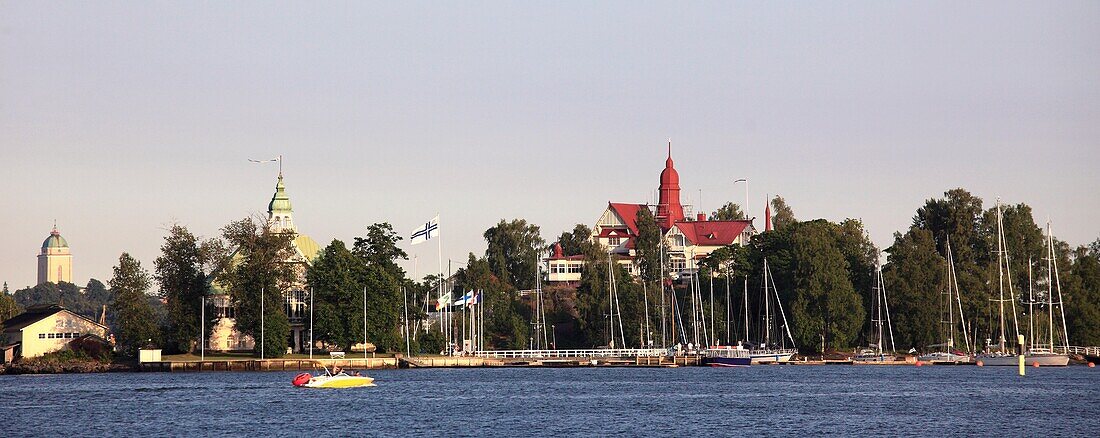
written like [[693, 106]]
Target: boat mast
[[958, 297], [1031, 303], [1000, 279], [1058, 285], [886, 303], [664, 331], [1008, 276], [786, 326], [767, 310]]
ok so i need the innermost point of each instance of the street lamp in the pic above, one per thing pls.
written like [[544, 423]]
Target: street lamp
[[745, 209]]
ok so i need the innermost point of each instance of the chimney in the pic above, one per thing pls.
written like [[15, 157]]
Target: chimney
[[701, 217]]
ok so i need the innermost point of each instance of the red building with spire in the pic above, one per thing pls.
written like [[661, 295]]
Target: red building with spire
[[687, 239]]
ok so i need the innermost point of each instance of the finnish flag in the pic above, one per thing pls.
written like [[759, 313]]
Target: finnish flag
[[425, 232]]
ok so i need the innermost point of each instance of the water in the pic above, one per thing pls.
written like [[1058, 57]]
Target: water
[[771, 400]]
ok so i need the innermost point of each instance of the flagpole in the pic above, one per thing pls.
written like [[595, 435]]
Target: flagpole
[[364, 325], [202, 331], [311, 323], [408, 344]]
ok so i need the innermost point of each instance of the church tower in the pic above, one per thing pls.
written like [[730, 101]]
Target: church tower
[[280, 215], [55, 262], [669, 210]]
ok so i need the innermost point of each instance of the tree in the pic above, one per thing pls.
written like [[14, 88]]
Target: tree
[[182, 271], [506, 317], [1083, 300], [514, 251], [825, 307], [260, 272], [577, 242], [647, 246], [380, 249], [728, 212], [916, 282], [339, 278], [8, 307], [782, 214], [136, 323]]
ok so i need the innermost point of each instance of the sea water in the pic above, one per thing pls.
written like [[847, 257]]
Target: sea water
[[766, 400]]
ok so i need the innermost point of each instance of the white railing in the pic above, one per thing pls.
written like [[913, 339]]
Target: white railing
[[601, 352], [1093, 351]]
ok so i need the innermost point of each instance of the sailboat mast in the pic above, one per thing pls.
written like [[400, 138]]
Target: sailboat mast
[[747, 309], [958, 297], [1000, 278], [1031, 303], [1058, 286], [1050, 286], [767, 310], [1011, 289]]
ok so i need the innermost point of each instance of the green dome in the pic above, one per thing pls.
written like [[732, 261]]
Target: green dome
[[280, 202], [55, 241]]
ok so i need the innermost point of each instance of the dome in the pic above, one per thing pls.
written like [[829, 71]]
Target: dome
[[280, 202], [55, 241], [669, 176]]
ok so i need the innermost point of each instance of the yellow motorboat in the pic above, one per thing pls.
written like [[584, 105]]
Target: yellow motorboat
[[338, 380]]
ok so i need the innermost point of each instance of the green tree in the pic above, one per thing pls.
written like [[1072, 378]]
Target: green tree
[[728, 212], [183, 271], [916, 284], [506, 318], [136, 323], [825, 308], [1083, 303], [576, 242], [339, 278], [647, 246], [380, 249], [782, 214], [8, 307], [514, 251], [260, 272]]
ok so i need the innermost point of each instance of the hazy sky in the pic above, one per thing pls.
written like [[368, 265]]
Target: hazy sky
[[120, 118]]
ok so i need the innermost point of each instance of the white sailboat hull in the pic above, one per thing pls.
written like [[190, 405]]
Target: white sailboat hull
[[771, 356], [1044, 360], [944, 358]]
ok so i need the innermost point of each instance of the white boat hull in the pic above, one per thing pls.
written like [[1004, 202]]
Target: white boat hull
[[1044, 360], [766, 357], [944, 358]]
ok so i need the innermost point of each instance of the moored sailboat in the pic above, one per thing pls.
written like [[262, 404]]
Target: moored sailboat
[[948, 353], [876, 352]]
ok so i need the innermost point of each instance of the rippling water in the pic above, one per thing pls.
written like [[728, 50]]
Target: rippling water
[[772, 400]]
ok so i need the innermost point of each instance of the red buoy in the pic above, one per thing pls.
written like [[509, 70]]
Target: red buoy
[[919, 363], [1035, 364], [1092, 365], [980, 363], [302, 379]]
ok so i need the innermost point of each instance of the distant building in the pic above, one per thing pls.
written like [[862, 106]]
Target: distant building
[[55, 262], [686, 240], [280, 219], [45, 329]]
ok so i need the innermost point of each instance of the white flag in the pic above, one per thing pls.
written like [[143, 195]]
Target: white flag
[[425, 232]]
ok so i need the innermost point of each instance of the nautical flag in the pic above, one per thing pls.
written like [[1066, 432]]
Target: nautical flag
[[425, 232], [465, 300], [476, 299], [442, 301]]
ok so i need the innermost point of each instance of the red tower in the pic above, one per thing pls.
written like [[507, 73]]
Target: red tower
[[669, 210]]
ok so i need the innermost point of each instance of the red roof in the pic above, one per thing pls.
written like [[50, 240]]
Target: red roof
[[628, 213], [712, 233]]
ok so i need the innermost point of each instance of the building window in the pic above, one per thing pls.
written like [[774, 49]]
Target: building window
[[41, 336], [613, 241]]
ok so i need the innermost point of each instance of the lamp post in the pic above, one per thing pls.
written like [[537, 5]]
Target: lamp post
[[745, 208]]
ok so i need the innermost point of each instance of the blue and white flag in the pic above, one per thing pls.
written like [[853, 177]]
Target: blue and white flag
[[466, 299], [425, 232]]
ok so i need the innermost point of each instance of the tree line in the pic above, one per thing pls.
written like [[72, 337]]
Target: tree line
[[824, 273]]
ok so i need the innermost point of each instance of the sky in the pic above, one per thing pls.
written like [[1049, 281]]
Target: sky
[[118, 119]]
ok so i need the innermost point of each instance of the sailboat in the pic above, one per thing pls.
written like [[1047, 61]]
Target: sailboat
[[773, 347], [1000, 354], [1046, 354], [876, 352], [948, 353]]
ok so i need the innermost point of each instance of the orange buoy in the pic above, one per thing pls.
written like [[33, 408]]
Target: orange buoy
[[1092, 365], [980, 363], [1035, 364], [919, 363]]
